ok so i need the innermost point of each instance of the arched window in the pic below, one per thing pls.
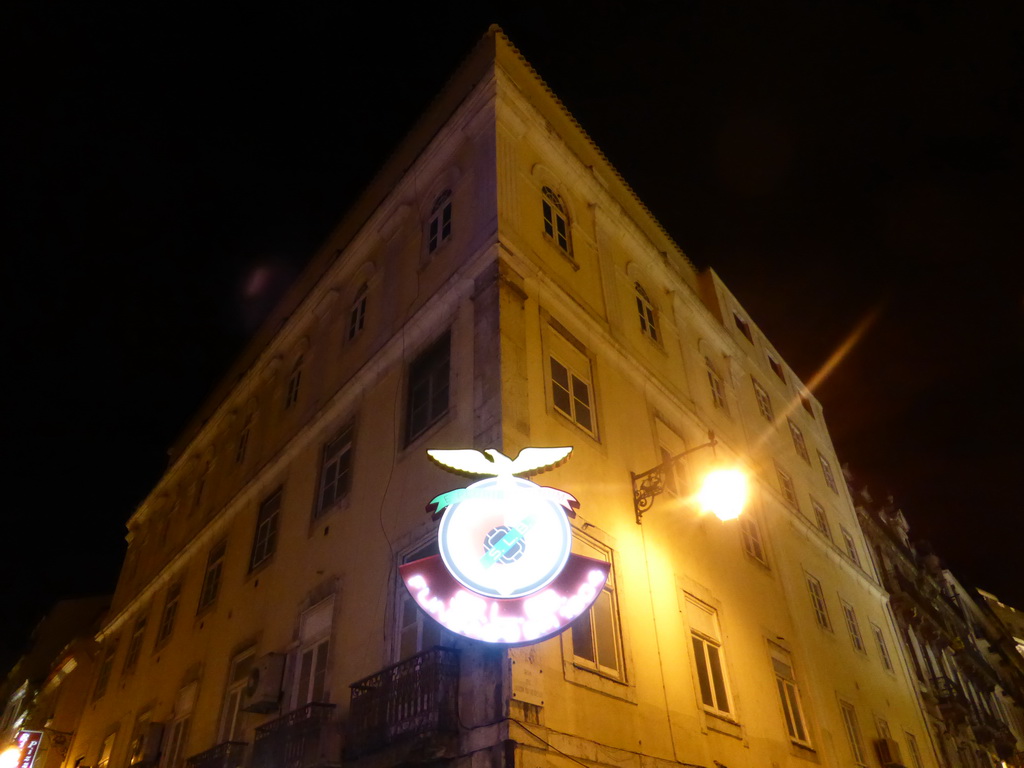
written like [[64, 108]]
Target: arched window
[[646, 311], [556, 220], [440, 227]]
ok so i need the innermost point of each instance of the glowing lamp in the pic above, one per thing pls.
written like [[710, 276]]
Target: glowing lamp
[[723, 493], [10, 757]]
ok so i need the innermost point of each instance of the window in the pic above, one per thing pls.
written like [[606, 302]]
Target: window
[[106, 667], [335, 471], [852, 731], [776, 367], [231, 720], [440, 227], [787, 488], [915, 753], [672, 477], [818, 602], [883, 728], [357, 315], [595, 635], [821, 519], [707, 656], [175, 747], [314, 640], [243, 440], [645, 309], [805, 401], [880, 640], [717, 386], [428, 388], [170, 611], [106, 748], [826, 470], [570, 393], [789, 697], [292, 395], [211, 579], [744, 327], [851, 546], [556, 222], [417, 632], [764, 400], [753, 544], [265, 540], [798, 441], [131, 657], [853, 627]]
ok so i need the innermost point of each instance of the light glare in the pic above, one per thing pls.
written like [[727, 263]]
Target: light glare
[[10, 757], [724, 493]]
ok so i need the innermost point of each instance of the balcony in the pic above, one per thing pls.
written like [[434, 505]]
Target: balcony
[[416, 696], [305, 738], [229, 754], [951, 699]]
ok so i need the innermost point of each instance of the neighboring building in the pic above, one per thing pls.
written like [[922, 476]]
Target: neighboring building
[[46, 689], [499, 286], [968, 672]]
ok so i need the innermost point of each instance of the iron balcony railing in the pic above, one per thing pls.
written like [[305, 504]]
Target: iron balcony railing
[[305, 738], [415, 696], [228, 754]]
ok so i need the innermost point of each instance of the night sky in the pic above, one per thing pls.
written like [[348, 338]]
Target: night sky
[[168, 169]]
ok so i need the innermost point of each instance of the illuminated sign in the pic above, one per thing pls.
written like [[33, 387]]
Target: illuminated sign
[[506, 573], [28, 744]]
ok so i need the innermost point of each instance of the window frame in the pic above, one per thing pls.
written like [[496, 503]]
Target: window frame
[[744, 326], [753, 538], [717, 384], [821, 518], [776, 367], [826, 471], [294, 383], [264, 540], [853, 627], [851, 546], [432, 369], [439, 223], [602, 631], [853, 734], [557, 222], [333, 459], [169, 614], [764, 401], [357, 313], [131, 656], [229, 724], [648, 316], [793, 714], [787, 488], [210, 588], [573, 385], [818, 602], [799, 443], [713, 684], [106, 669]]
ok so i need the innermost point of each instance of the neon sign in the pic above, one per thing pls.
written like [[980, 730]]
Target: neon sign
[[506, 573]]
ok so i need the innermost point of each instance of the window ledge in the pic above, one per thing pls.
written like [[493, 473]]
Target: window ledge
[[561, 252], [804, 751], [599, 682], [720, 723]]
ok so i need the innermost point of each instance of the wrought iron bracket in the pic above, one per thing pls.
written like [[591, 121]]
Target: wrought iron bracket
[[647, 485]]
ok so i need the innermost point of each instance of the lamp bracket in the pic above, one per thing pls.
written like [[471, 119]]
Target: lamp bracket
[[647, 485]]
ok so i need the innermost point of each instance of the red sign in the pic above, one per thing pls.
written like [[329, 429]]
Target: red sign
[[28, 743]]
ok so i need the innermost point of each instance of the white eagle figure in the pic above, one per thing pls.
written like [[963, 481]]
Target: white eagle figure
[[492, 462]]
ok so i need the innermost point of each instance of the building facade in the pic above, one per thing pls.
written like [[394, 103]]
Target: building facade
[[968, 672], [500, 286]]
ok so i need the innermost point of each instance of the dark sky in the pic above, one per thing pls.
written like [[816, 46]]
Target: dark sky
[[829, 159]]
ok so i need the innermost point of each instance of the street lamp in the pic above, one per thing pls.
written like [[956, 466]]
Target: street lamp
[[723, 492]]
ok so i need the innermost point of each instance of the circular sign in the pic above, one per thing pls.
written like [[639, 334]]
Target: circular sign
[[506, 538]]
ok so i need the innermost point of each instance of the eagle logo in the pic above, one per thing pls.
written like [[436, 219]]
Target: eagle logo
[[505, 571]]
